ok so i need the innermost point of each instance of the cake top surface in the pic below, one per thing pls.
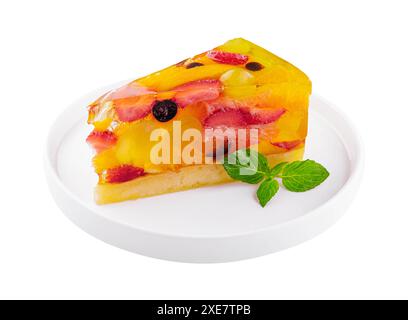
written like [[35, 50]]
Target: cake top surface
[[238, 70]]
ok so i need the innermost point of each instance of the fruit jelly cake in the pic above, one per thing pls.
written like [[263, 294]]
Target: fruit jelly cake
[[237, 85]]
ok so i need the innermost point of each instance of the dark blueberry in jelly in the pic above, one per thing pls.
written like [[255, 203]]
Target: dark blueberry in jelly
[[193, 65], [164, 110], [254, 66]]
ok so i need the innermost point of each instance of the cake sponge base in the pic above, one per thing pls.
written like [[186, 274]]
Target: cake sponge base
[[185, 178]]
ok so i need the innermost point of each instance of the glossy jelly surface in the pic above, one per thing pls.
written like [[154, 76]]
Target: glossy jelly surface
[[237, 85]]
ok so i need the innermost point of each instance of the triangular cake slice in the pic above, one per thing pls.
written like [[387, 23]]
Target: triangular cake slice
[[237, 87]]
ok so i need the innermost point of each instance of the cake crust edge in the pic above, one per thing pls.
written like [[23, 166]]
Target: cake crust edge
[[186, 178]]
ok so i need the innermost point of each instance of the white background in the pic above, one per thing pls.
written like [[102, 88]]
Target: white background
[[51, 52]]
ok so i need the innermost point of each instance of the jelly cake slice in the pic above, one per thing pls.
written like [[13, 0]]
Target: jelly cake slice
[[236, 86]]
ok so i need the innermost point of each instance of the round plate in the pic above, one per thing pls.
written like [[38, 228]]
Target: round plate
[[211, 224]]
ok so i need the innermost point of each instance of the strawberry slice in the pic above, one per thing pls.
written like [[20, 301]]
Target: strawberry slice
[[242, 117], [288, 145], [263, 116], [101, 140], [129, 90], [227, 57], [197, 91], [229, 118], [123, 173], [134, 108], [238, 118]]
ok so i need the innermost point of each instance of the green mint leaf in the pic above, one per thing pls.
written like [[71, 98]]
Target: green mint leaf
[[300, 176], [246, 165], [277, 170], [267, 189]]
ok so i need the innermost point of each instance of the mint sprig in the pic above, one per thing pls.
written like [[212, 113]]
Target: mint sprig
[[267, 189], [243, 165], [249, 166], [300, 176]]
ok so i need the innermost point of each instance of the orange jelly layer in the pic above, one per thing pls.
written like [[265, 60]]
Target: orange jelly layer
[[237, 85]]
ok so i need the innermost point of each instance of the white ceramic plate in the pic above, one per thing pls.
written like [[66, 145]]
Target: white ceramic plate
[[212, 224]]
